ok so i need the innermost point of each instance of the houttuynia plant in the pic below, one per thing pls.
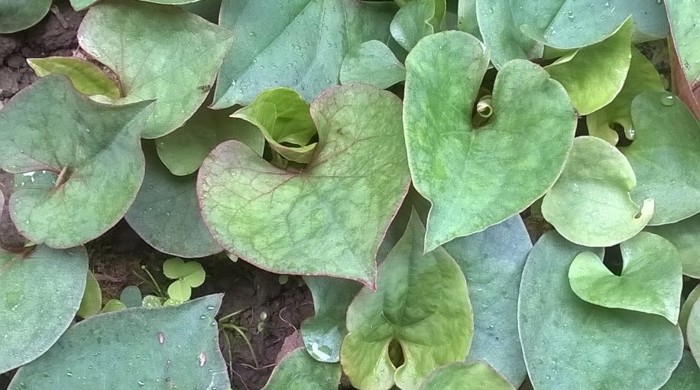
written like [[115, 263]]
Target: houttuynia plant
[[385, 151]]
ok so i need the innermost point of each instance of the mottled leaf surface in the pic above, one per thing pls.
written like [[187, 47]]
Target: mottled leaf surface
[[651, 279], [595, 74], [174, 346], [373, 63], [590, 204], [430, 332], [93, 149], [327, 219], [642, 76], [472, 376], [40, 293], [573, 24], [301, 45], [492, 261], [166, 215], [478, 177], [571, 344], [324, 332], [664, 156], [299, 371], [159, 52], [685, 236]]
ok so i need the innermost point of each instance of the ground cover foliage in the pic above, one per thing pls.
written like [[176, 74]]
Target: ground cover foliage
[[385, 151]]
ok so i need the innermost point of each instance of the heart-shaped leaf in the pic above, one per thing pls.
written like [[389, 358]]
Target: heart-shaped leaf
[[323, 333], [403, 315], [685, 236], [570, 344], [39, 295], [415, 20], [301, 45], [693, 331], [651, 280], [373, 63], [19, 15], [299, 371], [148, 46], [595, 74], [85, 76], [91, 303], [663, 156], [283, 117], [505, 41], [179, 291], [572, 24], [174, 347], [478, 177], [472, 376], [642, 76], [191, 272], [92, 151], [492, 261], [686, 376], [165, 212], [309, 222], [183, 150], [590, 204]]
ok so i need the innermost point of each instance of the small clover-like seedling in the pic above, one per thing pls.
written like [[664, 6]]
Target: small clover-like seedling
[[187, 275]]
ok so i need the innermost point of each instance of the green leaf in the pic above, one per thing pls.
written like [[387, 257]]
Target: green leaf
[[492, 262], [283, 117], [169, 347], [113, 305], [92, 151], [502, 166], [299, 371], [415, 20], [191, 272], [650, 282], [328, 219], [323, 333], [595, 74], [85, 76], [642, 76], [693, 331], [80, 5], [208, 9], [664, 156], [39, 295], [373, 63], [472, 376], [572, 24], [183, 150], [500, 34], [20, 15], [467, 18], [685, 236], [165, 212], [131, 296], [571, 344], [403, 310], [91, 304], [590, 204], [686, 376], [686, 307], [149, 46], [683, 15], [301, 44], [179, 291]]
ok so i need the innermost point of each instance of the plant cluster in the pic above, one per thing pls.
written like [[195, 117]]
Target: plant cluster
[[383, 150]]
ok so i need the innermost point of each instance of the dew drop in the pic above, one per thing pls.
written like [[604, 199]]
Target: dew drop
[[570, 15], [668, 100]]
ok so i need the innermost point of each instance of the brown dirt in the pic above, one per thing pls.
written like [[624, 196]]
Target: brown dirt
[[116, 258]]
